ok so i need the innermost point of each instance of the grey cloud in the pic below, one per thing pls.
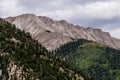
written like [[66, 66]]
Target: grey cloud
[[107, 25], [46, 3], [85, 1], [30, 4], [40, 4]]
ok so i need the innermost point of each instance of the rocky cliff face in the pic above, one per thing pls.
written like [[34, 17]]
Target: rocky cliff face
[[51, 33]]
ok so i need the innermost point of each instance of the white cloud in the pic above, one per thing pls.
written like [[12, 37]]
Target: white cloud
[[113, 29], [100, 10], [115, 33], [95, 10], [56, 3], [61, 9], [9, 7]]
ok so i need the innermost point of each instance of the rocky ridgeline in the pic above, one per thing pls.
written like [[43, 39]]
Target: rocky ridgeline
[[51, 33]]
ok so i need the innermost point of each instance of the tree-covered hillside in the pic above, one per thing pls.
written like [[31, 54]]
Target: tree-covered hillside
[[98, 61], [22, 58]]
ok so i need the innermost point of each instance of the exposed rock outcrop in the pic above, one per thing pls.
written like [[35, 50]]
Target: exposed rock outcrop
[[51, 33]]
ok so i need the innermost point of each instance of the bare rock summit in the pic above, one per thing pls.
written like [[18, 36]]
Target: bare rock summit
[[51, 33]]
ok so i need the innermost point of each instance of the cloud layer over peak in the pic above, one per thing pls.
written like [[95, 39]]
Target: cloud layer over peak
[[104, 14]]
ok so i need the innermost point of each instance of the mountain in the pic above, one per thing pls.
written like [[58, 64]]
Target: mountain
[[51, 33], [22, 58], [97, 60]]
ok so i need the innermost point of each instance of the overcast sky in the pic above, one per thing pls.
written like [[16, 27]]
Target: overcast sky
[[103, 14]]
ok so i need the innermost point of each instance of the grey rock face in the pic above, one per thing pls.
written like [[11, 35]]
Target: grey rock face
[[51, 33]]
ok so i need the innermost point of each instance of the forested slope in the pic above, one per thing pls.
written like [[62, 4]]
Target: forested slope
[[98, 61], [22, 58]]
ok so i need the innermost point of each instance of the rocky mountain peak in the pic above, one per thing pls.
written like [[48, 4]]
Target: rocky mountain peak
[[52, 33], [26, 15], [63, 22]]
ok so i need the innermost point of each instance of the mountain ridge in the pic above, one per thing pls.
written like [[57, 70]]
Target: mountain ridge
[[51, 33], [22, 58]]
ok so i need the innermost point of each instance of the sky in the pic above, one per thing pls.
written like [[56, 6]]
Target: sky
[[103, 14]]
